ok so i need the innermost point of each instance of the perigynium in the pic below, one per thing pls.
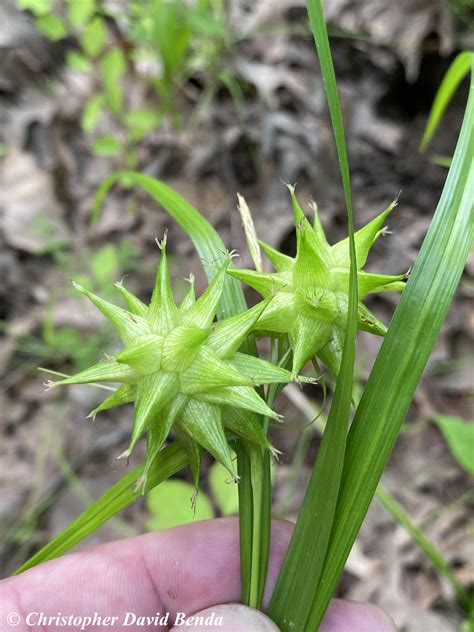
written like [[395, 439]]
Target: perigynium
[[311, 290], [183, 371]]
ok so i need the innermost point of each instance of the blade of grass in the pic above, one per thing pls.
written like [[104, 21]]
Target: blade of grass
[[211, 249], [119, 496], [403, 355], [208, 244], [293, 598], [455, 74], [431, 552]]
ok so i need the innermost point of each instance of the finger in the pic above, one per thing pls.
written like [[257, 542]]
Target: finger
[[180, 570], [342, 616], [351, 616]]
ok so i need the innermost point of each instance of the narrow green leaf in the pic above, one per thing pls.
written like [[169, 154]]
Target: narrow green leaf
[[403, 355], [172, 459], [451, 80], [293, 603], [260, 480], [250, 551], [207, 242], [431, 552]]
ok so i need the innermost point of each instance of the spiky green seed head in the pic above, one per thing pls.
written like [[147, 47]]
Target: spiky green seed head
[[311, 290], [181, 370]]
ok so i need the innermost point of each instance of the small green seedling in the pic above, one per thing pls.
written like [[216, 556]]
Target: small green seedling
[[175, 39]]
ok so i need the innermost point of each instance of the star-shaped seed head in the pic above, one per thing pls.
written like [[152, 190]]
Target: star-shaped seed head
[[311, 290], [183, 371]]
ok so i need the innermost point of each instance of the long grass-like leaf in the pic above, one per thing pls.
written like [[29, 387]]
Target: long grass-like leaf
[[208, 244], [293, 598], [118, 497], [403, 355], [455, 74]]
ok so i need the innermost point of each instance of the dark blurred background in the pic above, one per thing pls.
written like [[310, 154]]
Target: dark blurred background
[[217, 97]]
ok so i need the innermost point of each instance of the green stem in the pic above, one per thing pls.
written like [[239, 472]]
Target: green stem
[[255, 500], [254, 520], [256, 469], [245, 519]]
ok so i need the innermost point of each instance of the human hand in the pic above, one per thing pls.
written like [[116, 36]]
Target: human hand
[[184, 570]]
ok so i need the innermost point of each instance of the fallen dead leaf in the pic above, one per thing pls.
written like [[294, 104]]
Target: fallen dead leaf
[[32, 216]]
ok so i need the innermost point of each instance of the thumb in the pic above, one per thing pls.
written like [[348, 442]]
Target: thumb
[[230, 617]]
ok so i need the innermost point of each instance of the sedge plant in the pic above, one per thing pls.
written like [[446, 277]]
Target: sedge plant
[[312, 308], [183, 372]]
